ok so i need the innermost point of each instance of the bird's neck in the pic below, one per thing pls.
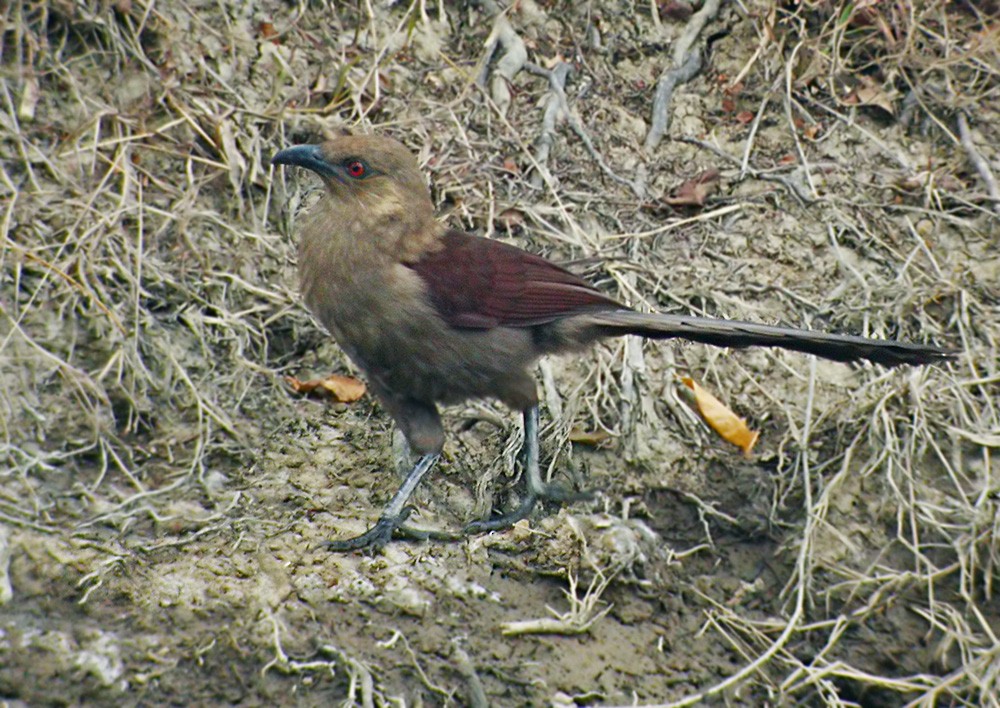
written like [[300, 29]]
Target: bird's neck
[[361, 239], [369, 227], [351, 264]]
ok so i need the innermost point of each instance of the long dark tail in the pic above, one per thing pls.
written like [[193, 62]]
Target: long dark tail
[[734, 333]]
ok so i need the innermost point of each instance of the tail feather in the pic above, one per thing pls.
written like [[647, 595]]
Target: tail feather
[[738, 334]]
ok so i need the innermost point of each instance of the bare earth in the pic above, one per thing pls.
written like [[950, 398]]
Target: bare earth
[[164, 495]]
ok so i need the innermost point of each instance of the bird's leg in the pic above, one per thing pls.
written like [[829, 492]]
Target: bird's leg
[[393, 515], [537, 489]]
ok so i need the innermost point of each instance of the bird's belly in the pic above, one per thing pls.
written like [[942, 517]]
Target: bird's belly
[[426, 360], [396, 337]]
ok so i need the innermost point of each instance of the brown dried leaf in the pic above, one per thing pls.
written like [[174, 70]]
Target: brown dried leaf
[[923, 180], [589, 437], [266, 30], [510, 219], [727, 424], [343, 389], [864, 15], [861, 90], [734, 89], [872, 95], [676, 10], [552, 62], [696, 190], [949, 182]]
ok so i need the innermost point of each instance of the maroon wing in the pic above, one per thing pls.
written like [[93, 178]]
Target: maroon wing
[[479, 283]]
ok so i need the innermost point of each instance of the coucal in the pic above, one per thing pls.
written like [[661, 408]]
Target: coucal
[[435, 315]]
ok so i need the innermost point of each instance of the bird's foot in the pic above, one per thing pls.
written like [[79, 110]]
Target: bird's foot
[[378, 535], [389, 526], [386, 528], [561, 495], [501, 523], [374, 538], [550, 492]]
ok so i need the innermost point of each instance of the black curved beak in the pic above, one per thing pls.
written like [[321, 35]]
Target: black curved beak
[[307, 156]]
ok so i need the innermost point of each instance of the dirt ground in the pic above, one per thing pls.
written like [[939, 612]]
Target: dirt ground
[[164, 494]]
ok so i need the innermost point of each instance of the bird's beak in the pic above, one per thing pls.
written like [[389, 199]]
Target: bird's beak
[[307, 156]]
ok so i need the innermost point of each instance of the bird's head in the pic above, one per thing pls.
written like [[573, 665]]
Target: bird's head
[[374, 174]]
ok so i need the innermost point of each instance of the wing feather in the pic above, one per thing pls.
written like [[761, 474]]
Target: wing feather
[[479, 283]]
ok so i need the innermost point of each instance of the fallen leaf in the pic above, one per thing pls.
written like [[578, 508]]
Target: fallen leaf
[[872, 95], [589, 437], [861, 90], [727, 424], [949, 182], [510, 219], [734, 89], [676, 10], [922, 181], [266, 30], [343, 389], [553, 62], [694, 191], [863, 15]]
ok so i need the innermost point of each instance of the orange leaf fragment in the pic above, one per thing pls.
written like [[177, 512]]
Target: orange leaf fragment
[[696, 190], [676, 10], [733, 90], [595, 438], [510, 219], [343, 389], [871, 95], [727, 424], [266, 30]]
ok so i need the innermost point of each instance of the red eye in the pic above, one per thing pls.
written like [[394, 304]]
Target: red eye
[[356, 169]]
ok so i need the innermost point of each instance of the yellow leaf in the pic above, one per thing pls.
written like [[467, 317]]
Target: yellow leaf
[[589, 437], [727, 424], [343, 389]]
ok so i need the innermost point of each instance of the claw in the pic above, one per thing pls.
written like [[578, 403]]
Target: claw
[[374, 538]]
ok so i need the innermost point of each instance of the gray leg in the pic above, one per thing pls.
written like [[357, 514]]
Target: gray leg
[[537, 489], [393, 515], [532, 469]]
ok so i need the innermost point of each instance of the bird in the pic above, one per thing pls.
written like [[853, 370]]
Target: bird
[[433, 315]]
